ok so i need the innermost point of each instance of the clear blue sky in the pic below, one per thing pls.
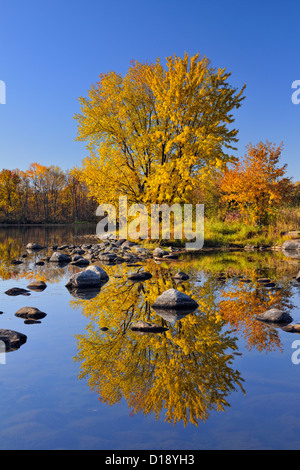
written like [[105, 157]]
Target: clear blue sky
[[51, 53]]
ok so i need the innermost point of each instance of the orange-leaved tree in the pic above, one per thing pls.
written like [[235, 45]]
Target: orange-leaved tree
[[256, 186]]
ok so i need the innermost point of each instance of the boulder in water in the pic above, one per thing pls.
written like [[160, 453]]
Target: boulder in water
[[275, 315], [174, 299]]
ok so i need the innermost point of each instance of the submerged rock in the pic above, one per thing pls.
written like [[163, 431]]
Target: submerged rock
[[139, 276], [274, 315], [148, 327], [174, 299], [17, 291]]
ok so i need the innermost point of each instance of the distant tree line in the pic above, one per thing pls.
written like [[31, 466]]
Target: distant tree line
[[44, 194]]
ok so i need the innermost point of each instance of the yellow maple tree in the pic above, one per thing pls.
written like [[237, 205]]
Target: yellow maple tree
[[154, 133]]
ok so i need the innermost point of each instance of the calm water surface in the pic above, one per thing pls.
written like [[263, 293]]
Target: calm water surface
[[216, 379]]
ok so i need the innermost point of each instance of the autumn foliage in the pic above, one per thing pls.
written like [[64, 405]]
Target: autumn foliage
[[257, 185], [156, 133], [43, 194]]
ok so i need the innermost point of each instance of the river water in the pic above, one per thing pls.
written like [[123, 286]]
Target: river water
[[217, 378]]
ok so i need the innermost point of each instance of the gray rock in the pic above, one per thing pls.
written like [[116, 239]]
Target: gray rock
[[85, 279], [78, 251], [79, 261], [159, 252], [140, 250], [85, 246], [90, 256], [180, 276], [60, 258], [12, 339], [107, 257], [128, 243], [120, 241], [98, 270], [274, 315], [34, 246], [293, 245], [174, 299]]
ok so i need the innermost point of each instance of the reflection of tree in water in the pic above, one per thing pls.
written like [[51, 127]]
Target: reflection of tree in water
[[17, 237], [241, 303], [185, 372]]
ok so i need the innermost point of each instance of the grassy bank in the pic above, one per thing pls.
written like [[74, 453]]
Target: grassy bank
[[218, 233]]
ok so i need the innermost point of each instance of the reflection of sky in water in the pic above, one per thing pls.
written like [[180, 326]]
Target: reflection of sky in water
[[43, 405]]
